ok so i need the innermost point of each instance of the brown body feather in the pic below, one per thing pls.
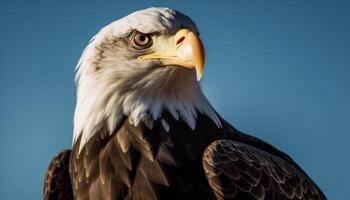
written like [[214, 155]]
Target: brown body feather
[[160, 163]]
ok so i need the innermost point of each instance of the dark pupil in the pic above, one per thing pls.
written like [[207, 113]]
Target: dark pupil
[[142, 38]]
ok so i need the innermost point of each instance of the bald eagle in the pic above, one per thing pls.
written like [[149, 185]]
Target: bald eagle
[[143, 128]]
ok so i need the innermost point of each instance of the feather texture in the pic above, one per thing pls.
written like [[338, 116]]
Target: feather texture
[[57, 185], [168, 165], [136, 162], [239, 171]]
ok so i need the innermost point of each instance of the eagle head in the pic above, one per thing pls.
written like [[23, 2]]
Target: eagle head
[[139, 66]]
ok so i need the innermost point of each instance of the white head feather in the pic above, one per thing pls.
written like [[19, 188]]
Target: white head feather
[[112, 83]]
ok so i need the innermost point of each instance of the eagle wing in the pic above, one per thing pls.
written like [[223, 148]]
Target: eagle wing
[[57, 185], [240, 171]]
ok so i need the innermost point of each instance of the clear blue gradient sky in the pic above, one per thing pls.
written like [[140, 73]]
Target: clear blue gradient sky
[[278, 70]]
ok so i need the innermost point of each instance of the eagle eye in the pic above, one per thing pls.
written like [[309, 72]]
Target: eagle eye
[[141, 40]]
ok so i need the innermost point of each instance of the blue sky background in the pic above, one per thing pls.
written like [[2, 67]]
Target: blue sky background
[[278, 70]]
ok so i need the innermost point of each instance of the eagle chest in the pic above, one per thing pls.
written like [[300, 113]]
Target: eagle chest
[[153, 160]]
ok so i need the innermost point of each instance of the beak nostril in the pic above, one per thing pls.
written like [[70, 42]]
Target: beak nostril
[[180, 40]]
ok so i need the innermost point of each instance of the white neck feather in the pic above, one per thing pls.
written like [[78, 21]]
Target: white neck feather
[[105, 103]]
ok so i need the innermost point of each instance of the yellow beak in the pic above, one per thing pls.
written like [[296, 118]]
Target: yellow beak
[[187, 51]]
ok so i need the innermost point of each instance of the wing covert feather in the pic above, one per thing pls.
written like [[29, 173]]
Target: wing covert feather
[[239, 171], [57, 181]]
